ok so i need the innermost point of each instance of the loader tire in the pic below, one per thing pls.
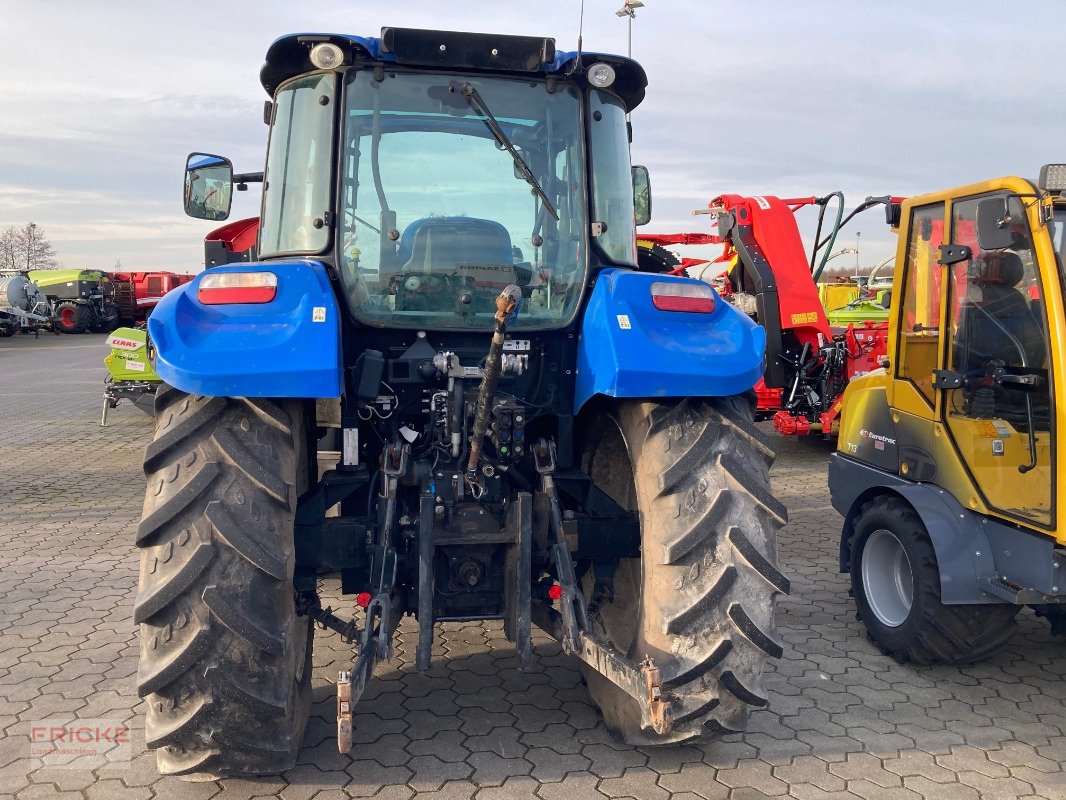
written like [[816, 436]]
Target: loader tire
[[700, 600], [73, 317], [225, 662], [896, 584]]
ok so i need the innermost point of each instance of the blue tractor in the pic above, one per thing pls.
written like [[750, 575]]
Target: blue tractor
[[447, 380]]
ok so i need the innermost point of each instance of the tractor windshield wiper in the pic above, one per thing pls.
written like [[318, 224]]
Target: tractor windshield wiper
[[477, 102]]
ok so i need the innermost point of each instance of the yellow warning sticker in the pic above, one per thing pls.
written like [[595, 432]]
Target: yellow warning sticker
[[804, 317], [986, 429]]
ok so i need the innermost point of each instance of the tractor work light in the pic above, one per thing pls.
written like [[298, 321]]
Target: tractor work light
[[601, 75], [217, 288], [1053, 178], [327, 56], [677, 296]]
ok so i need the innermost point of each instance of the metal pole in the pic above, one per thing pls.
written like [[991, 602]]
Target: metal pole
[[857, 235], [30, 228], [630, 50]]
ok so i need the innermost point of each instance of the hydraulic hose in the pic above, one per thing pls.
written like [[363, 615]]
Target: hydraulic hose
[[823, 203], [869, 202], [506, 306]]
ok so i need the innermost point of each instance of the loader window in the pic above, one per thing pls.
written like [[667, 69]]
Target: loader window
[[438, 215], [920, 317], [1000, 419]]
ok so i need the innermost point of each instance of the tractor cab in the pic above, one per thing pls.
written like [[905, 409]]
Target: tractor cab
[[434, 169], [946, 467]]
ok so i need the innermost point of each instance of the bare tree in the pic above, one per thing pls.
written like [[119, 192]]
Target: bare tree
[[26, 248]]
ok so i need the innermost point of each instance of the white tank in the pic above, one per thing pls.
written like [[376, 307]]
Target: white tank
[[19, 292], [16, 292]]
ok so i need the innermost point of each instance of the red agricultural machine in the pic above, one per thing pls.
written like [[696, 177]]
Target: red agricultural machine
[[809, 361], [137, 293]]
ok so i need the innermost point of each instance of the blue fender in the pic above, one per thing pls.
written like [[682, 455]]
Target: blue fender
[[289, 347], [629, 348]]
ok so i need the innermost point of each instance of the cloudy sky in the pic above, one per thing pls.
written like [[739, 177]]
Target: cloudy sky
[[101, 101]]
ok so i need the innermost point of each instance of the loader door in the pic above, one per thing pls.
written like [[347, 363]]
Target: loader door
[[999, 419], [918, 344]]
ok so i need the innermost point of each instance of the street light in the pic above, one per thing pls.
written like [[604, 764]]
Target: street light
[[857, 235], [30, 228], [629, 9]]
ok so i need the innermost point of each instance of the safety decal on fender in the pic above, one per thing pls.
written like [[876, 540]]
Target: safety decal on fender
[[623, 322], [318, 314], [135, 366]]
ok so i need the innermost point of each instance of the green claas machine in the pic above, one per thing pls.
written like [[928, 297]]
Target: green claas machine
[[130, 375], [82, 299], [531, 430]]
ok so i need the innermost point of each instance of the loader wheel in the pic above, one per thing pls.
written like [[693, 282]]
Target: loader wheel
[[896, 584], [700, 600], [73, 317], [225, 663]]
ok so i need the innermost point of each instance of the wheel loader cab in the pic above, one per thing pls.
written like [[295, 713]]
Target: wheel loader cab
[[971, 381], [946, 471]]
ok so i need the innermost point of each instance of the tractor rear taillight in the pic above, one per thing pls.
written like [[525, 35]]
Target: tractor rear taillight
[[678, 296], [237, 287]]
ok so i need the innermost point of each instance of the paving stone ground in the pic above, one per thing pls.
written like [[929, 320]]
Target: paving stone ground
[[843, 720]]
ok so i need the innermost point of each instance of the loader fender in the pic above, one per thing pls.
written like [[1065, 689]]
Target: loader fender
[[963, 553], [288, 347], [630, 348]]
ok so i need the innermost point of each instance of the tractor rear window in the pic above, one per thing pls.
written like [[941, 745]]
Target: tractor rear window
[[454, 187]]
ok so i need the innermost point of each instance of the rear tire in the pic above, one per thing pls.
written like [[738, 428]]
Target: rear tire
[[225, 663], [896, 584], [700, 600], [73, 317]]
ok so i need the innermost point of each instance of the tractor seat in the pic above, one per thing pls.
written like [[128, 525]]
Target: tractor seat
[[444, 245]]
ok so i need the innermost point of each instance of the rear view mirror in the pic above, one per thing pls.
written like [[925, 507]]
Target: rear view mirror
[[641, 195], [994, 224], [208, 186]]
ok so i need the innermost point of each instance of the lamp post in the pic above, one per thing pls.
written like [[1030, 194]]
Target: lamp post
[[857, 235], [31, 228], [629, 9]]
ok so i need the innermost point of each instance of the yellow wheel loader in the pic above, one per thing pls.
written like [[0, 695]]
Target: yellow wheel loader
[[946, 468]]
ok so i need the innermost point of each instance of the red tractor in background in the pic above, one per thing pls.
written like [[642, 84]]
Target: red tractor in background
[[809, 362]]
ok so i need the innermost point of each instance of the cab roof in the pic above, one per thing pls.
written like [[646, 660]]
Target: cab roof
[[475, 52]]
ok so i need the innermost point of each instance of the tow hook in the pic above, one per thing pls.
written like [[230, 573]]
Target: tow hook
[[658, 709], [344, 712]]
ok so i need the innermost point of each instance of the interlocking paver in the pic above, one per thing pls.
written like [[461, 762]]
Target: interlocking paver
[[843, 720]]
